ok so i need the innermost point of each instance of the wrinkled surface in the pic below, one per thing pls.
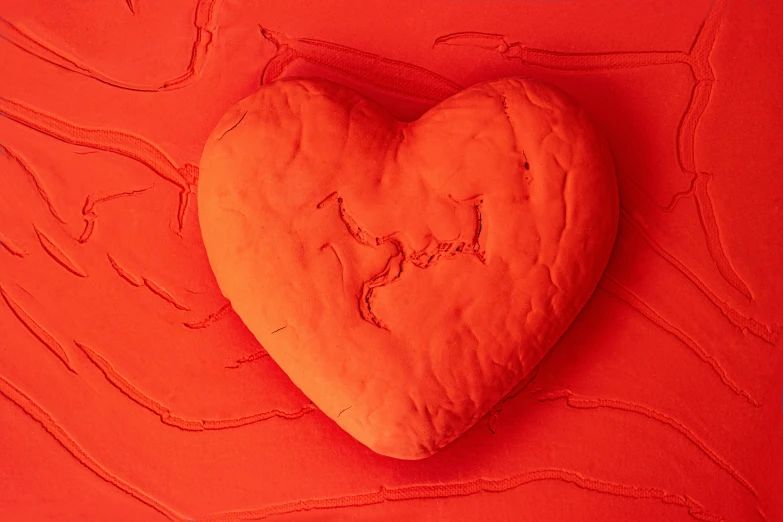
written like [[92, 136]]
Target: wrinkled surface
[[661, 402], [407, 276]]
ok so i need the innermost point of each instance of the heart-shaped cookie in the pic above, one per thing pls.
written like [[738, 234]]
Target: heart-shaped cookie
[[407, 275]]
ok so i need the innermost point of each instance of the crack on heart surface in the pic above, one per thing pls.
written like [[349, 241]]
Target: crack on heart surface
[[434, 251], [233, 126]]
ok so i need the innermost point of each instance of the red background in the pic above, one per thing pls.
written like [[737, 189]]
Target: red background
[[123, 398]]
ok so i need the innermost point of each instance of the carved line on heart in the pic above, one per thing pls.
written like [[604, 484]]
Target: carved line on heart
[[424, 258]]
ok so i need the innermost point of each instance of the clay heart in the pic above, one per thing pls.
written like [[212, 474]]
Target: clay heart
[[407, 275]]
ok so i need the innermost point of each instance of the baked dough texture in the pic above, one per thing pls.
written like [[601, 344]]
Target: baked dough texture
[[407, 275]]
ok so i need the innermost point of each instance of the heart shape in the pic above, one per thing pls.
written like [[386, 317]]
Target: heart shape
[[407, 275]]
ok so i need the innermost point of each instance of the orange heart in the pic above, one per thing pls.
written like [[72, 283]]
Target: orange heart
[[407, 275]]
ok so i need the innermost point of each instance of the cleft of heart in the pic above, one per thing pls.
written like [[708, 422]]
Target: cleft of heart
[[422, 268]]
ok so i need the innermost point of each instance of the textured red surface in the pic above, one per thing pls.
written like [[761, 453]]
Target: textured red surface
[[131, 392], [407, 275]]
